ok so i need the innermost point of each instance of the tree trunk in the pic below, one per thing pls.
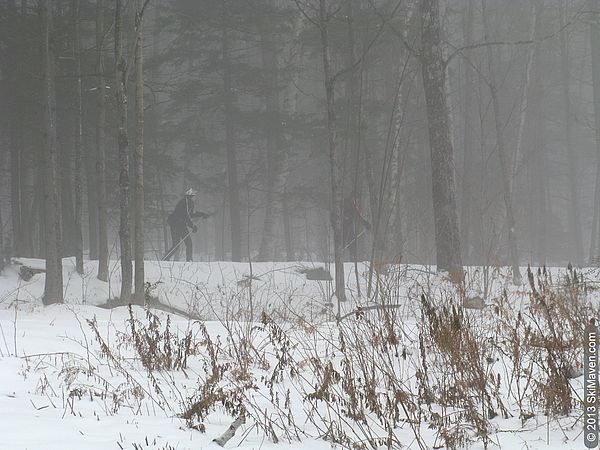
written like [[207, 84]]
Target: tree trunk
[[276, 163], [351, 144], [92, 202], [287, 228], [537, 169], [78, 237], [65, 163], [15, 191], [100, 151], [290, 107], [574, 210], [468, 197], [394, 216], [595, 50], [53, 290], [15, 132], [336, 199], [504, 167], [138, 156], [232, 178], [523, 107], [121, 84], [433, 71], [163, 212]]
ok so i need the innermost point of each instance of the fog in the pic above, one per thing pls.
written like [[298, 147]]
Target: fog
[[450, 133]]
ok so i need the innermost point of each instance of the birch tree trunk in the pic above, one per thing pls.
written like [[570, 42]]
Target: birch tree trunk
[[123, 141], [100, 151], [500, 147], [53, 289], [523, 109], [78, 142], [433, 72], [138, 155]]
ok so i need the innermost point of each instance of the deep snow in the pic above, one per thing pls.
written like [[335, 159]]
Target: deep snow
[[55, 386]]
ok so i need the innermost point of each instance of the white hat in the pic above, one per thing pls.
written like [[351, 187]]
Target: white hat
[[190, 192]]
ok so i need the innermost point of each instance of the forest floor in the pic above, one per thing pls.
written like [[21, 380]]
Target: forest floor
[[419, 363]]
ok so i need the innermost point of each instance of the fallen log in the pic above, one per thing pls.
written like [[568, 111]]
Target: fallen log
[[27, 273], [230, 432]]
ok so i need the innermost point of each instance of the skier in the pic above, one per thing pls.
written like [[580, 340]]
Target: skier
[[353, 221], [180, 220]]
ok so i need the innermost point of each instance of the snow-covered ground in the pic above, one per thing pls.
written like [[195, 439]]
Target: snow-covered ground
[[72, 376]]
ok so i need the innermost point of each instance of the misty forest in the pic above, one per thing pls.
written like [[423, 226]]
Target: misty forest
[[399, 165], [466, 131]]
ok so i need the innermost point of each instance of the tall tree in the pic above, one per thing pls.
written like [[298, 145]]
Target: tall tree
[[276, 154], [501, 149], [537, 155], [78, 238], [230, 143], [594, 8], [100, 187], [138, 155], [53, 290], [468, 178], [334, 169], [433, 72], [121, 72], [574, 209], [16, 139]]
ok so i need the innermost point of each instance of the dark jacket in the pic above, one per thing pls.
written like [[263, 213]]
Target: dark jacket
[[183, 213]]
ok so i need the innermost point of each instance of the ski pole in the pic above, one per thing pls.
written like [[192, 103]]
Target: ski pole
[[354, 239], [175, 247]]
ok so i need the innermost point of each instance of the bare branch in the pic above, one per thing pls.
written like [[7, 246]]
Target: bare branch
[[519, 42], [305, 14], [397, 33], [369, 46]]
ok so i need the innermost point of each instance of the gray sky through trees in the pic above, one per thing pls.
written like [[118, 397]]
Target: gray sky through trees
[[478, 146]]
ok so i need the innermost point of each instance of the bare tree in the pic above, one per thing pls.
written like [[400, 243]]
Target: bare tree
[[232, 163], [138, 155], [574, 209], [16, 140], [500, 147], [100, 151], [78, 141], [467, 196], [276, 155], [537, 158], [334, 176], [433, 71], [123, 140], [594, 8], [523, 107], [53, 290]]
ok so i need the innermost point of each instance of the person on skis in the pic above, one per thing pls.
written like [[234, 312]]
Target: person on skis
[[180, 220], [353, 224]]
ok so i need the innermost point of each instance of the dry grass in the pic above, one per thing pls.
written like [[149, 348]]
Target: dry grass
[[439, 374]]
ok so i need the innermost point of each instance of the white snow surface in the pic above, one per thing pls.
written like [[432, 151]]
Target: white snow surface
[[58, 391]]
